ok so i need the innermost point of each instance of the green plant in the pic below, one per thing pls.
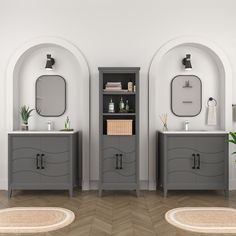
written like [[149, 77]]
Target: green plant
[[25, 114], [233, 140]]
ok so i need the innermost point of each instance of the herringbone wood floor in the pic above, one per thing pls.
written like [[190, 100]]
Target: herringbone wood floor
[[117, 213]]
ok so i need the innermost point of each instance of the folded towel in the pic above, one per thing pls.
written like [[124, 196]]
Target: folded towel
[[211, 115]]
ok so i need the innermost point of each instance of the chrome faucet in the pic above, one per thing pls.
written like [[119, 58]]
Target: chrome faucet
[[186, 125]]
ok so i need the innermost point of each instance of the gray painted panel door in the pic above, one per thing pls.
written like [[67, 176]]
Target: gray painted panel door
[[56, 160], [112, 147], [24, 166]]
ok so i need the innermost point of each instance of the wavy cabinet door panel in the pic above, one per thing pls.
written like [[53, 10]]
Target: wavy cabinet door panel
[[55, 168], [211, 169], [55, 162], [117, 168], [23, 160]]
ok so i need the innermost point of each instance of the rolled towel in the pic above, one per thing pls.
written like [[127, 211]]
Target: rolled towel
[[211, 115]]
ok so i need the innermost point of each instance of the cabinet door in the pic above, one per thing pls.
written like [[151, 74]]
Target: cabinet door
[[56, 160], [122, 168], [23, 160], [180, 169], [211, 169]]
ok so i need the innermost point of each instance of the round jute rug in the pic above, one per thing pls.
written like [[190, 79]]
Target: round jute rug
[[203, 219], [34, 219]]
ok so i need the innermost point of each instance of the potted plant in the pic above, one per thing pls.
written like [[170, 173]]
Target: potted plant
[[25, 115]]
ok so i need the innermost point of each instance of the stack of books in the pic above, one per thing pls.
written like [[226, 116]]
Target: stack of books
[[113, 86]]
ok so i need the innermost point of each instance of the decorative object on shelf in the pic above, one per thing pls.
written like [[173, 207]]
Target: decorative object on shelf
[[211, 111], [130, 86], [67, 123], [25, 113], [111, 107], [186, 95], [121, 105], [119, 127], [50, 62], [127, 106], [113, 86], [163, 118], [134, 87], [50, 125], [187, 62]]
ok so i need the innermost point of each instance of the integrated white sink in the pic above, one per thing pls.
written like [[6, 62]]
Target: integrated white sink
[[195, 132], [41, 132]]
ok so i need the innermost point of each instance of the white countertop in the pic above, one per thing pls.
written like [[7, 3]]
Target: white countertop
[[195, 132], [42, 132]]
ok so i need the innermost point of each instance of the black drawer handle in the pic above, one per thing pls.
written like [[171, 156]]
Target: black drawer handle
[[117, 162], [198, 161], [42, 161], [121, 161], [194, 161], [37, 161]]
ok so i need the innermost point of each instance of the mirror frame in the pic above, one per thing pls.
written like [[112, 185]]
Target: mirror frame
[[36, 97]]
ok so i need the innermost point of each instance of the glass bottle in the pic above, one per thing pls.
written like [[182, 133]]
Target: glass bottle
[[130, 86], [111, 106], [127, 106], [121, 105]]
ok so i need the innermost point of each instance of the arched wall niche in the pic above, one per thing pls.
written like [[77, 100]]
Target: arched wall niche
[[217, 72], [27, 64]]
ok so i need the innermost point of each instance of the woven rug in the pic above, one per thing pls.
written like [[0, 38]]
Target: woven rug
[[203, 219], [34, 219]]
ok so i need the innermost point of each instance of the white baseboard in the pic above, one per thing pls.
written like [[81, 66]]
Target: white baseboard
[[232, 184], [3, 185], [143, 185]]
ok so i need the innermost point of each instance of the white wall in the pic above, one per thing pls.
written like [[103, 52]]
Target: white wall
[[112, 33]]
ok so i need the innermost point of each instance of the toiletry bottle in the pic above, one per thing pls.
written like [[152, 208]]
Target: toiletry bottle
[[135, 88], [130, 86], [67, 123], [111, 106], [50, 125], [127, 106], [121, 105]]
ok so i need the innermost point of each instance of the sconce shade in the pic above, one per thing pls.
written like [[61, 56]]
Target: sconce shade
[[50, 62], [187, 62]]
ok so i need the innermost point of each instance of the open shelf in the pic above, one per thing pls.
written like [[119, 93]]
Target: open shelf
[[118, 93], [119, 114]]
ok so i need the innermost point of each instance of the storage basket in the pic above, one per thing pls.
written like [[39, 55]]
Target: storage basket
[[119, 127]]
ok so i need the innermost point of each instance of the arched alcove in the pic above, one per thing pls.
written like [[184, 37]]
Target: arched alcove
[[27, 64], [217, 67]]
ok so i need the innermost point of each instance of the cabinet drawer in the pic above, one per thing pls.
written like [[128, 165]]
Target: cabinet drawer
[[207, 144]]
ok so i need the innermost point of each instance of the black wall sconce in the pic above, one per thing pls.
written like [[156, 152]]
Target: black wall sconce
[[50, 62], [187, 62]]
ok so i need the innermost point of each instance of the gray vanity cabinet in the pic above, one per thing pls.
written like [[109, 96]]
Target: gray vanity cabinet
[[192, 161], [42, 161]]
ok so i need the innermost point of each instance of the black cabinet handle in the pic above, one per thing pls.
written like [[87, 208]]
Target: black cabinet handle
[[117, 161], [198, 161], [194, 161], [42, 161], [37, 161], [121, 161]]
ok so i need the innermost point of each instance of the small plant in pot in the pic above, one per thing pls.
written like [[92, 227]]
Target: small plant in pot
[[25, 113]]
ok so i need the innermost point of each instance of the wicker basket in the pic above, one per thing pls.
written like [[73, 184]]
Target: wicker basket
[[119, 127]]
